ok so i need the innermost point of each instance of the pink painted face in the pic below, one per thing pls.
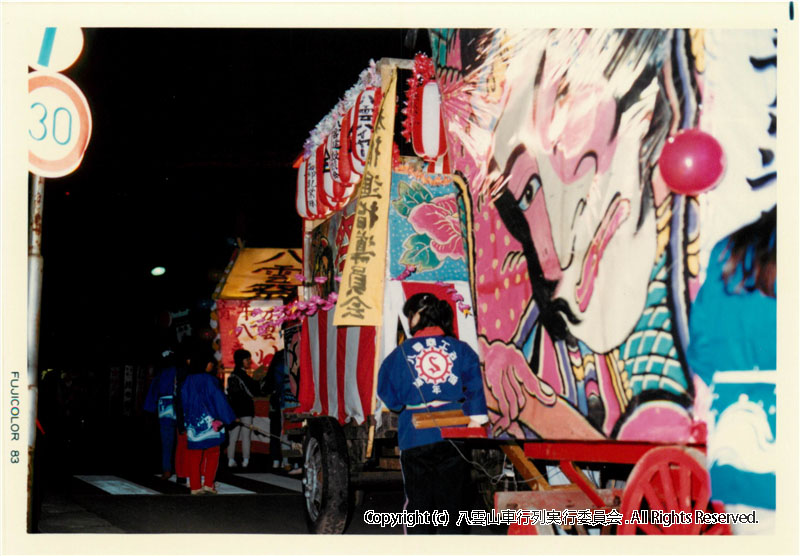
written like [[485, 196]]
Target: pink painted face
[[572, 164]]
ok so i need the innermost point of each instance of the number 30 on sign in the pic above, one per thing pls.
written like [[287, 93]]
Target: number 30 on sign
[[59, 125]]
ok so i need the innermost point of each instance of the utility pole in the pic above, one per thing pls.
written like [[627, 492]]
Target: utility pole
[[57, 142], [35, 266]]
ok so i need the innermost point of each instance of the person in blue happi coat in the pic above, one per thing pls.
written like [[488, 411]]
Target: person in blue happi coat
[[732, 352], [205, 412], [160, 400], [433, 371]]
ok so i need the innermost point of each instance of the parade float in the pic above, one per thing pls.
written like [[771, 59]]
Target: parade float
[[563, 189], [257, 283]]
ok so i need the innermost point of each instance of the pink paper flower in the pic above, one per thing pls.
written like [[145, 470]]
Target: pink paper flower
[[409, 270]]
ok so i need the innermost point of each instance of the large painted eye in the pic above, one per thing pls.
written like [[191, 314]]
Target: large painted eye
[[531, 188]]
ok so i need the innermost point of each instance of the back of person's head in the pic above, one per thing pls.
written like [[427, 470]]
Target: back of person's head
[[432, 312], [239, 356], [200, 354], [753, 248]]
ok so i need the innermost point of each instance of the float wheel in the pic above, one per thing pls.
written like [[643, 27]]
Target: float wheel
[[665, 479]]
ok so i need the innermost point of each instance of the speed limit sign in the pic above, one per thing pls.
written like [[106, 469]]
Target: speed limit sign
[[59, 125]]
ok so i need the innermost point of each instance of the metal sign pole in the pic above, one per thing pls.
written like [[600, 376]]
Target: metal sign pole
[[48, 156], [35, 265]]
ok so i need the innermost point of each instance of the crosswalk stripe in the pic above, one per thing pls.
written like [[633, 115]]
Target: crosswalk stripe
[[222, 488], [225, 488], [115, 485], [121, 487], [275, 480]]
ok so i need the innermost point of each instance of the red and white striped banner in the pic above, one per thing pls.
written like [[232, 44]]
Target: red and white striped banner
[[337, 368]]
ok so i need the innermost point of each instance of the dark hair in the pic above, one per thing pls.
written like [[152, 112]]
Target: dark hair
[[196, 354], [754, 249], [239, 356], [199, 355], [432, 312]]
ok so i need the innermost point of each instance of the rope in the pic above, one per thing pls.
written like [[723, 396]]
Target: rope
[[292, 445]]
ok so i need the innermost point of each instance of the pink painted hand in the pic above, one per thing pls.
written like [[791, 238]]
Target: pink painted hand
[[511, 382]]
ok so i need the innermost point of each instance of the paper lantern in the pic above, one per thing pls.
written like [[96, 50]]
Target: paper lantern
[[333, 142], [361, 126], [325, 183], [300, 197], [313, 187], [346, 174], [427, 131]]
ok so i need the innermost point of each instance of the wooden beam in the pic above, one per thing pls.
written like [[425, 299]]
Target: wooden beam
[[525, 467], [430, 419]]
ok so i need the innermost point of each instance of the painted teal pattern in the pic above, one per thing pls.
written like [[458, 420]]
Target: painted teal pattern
[[649, 354]]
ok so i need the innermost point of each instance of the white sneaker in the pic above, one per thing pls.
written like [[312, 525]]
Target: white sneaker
[[232, 462], [245, 462]]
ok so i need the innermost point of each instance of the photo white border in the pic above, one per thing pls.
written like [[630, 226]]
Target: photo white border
[[17, 18]]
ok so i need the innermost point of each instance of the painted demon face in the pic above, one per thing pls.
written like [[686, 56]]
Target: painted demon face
[[567, 158]]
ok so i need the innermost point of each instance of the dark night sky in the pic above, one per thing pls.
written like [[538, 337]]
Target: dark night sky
[[194, 134]]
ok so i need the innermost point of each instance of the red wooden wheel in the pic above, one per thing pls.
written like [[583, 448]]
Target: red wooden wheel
[[668, 479]]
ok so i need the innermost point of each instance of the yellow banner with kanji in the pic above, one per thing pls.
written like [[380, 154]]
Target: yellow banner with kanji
[[361, 291], [263, 272]]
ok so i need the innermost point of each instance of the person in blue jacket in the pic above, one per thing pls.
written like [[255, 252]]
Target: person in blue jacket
[[733, 319], [433, 371], [160, 400], [274, 380], [205, 412], [732, 351]]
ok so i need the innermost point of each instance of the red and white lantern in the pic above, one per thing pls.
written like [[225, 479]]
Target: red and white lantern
[[332, 149], [346, 174], [324, 178], [361, 126], [427, 131], [300, 197], [312, 208]]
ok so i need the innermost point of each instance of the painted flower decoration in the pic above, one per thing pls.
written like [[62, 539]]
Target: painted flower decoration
[[439, 219], [436, 223]]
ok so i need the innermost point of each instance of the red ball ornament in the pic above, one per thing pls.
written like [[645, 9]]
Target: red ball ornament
[[691, 162]]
